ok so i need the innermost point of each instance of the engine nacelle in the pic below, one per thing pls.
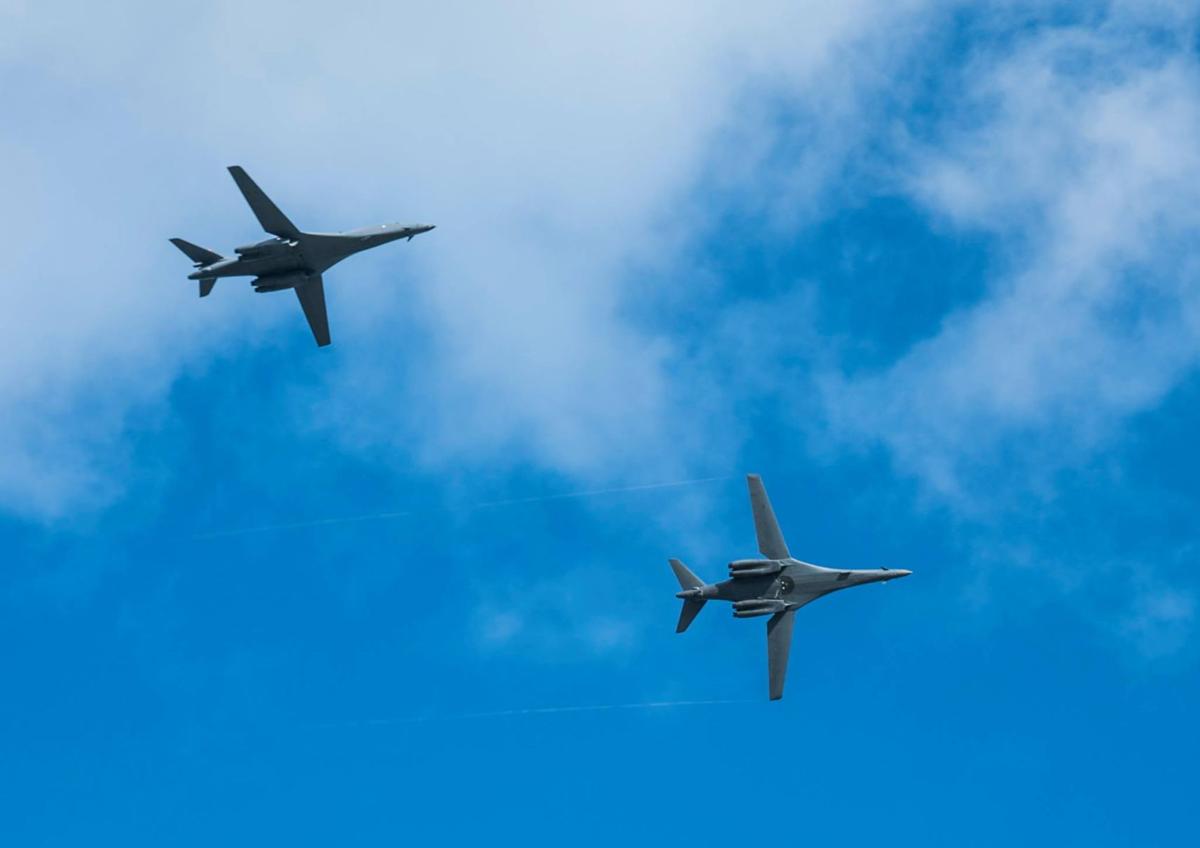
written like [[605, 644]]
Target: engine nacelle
[[739, 564], [751, 603], [271, 247], [753, 613], [757, 606], [765, 571], [754, 568], [279, 282]]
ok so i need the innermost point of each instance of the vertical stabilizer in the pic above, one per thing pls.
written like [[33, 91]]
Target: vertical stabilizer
[[689, 583], [202, 256], [683, 574], [691, 609], [206, 285]]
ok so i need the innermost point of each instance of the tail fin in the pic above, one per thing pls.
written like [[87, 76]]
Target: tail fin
[[691, 606], [683, 574], [206, 285], [690, 610], [202, 256]]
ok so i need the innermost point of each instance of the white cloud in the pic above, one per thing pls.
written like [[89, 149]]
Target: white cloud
[[1074, 151], [581, 612], [556, 149], [553, 145], [1160, 622], [1070, 149]]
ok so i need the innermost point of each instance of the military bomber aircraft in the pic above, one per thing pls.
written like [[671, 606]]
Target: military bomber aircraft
[[292, 259], [776, 586]]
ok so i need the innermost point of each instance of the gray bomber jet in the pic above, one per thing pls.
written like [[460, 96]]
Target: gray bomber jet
[[293, 259], [776, 586]]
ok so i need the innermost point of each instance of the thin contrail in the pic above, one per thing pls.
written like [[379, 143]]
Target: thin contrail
[[379, 516], [591, 708]]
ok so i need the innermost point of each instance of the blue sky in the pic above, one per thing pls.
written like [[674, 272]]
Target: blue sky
[[930, 270]]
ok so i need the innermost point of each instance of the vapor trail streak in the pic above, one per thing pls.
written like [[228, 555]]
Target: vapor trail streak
[[593, 708], [380, 516]]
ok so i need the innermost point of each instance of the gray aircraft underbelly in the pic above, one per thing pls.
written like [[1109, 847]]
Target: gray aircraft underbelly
[[774, 586], [293, 259]]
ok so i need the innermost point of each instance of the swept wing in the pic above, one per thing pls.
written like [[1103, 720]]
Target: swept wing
[[268, 214], [770, 537], [779, 644], [312, 300]]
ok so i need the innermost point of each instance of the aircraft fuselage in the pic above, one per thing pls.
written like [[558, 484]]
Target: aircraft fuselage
[[293, 259], [794, 582], [773, 587], [297, 258]]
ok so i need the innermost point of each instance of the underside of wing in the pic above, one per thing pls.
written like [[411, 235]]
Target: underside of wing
[[779, 644], [312, 300], [268, 214], [770, 538]]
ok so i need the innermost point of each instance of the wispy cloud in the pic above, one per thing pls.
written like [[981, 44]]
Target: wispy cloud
[[523, 711], [556, 148], [559, 151], [1068, 148], [578, 613], [1161, 622], [1073, 151]]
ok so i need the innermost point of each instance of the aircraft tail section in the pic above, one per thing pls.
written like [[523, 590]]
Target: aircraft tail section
[[691, 609], [693, 602], [684, 575], [206, 285], [202, 256]]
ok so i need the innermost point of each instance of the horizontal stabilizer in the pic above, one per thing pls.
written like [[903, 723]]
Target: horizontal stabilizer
[[202, 256], [691, 609], [268, 214], [206, 285]]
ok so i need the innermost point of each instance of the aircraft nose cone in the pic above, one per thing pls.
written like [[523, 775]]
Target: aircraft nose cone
[[901, 572]]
